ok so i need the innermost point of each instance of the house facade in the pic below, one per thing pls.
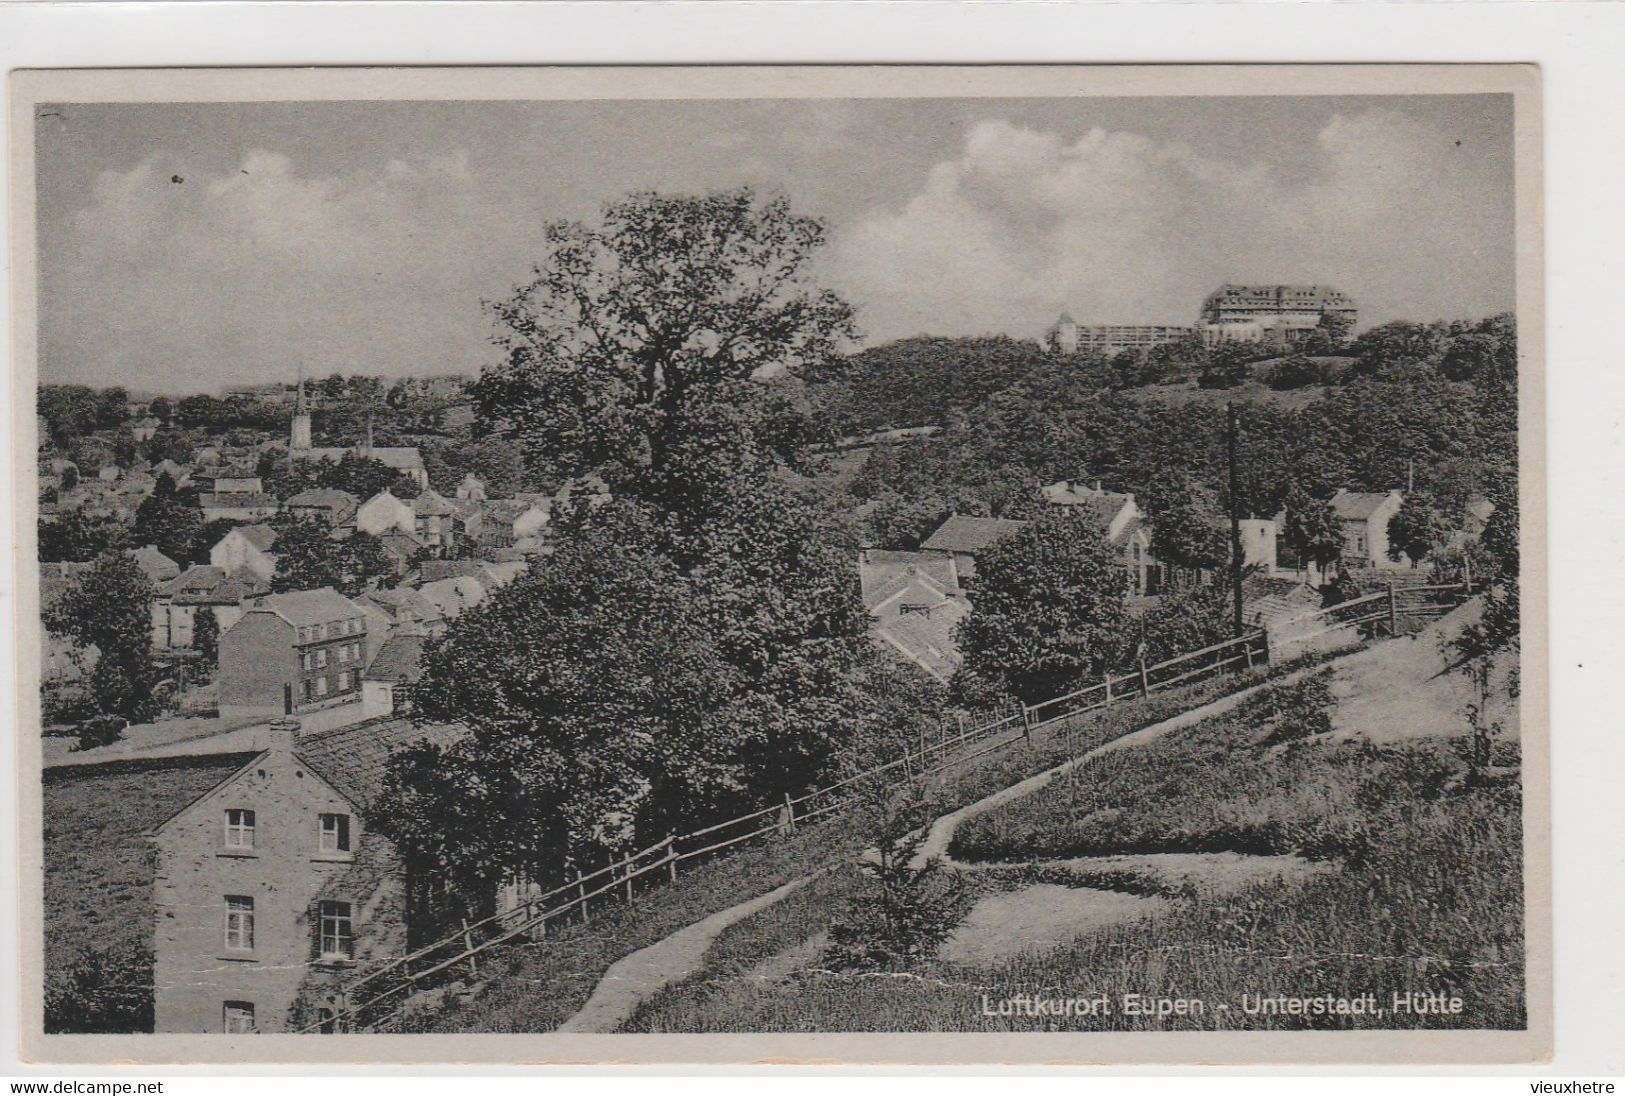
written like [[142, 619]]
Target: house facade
[[1120, 522], [246, 550], [1364, 516], [176, 605], [273, 886], [291, 653]]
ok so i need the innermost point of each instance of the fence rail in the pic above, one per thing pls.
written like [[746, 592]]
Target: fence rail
[[970, 738]]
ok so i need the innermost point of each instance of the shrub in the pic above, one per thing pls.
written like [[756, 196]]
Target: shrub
[[101, 992], [101, 731]]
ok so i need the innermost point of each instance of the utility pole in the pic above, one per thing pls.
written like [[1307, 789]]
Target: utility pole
[[1235, 512]]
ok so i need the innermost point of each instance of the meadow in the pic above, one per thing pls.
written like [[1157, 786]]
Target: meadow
[[1418, 887]]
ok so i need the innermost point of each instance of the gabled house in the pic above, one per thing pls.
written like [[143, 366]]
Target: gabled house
[[274, 886], [246, 550], [434, 522], [398, 665], [159, 568], [292, 652], [176, 605], [1119, 521], [1364, 516], [962, 538], [916, 602], [384, 513], [327, 505], [515, 521]]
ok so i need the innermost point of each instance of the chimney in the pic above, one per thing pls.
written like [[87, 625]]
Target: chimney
[[282, 735]]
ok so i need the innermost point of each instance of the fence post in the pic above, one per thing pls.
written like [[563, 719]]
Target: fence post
[[468, 945], [789, 814], [626, 872], [1026, 724], [581, 890], [1108, 690], [1393, 611], [1145, 679], [1247, 650], [671, 856]]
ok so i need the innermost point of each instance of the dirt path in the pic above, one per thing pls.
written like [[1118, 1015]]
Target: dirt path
[[941, 834], [639, 976]]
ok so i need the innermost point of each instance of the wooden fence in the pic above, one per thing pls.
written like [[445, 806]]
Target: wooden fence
[[379, 994]]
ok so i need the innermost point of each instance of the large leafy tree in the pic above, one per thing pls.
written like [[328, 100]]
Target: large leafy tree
[[1417, 528], [167, 521], [697, 644], [642, 348], [1049, 612], [109, 608], [309, 557], [1188, 531], [1312, 529]]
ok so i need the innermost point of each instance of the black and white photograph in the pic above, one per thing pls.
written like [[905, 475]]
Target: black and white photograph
[[597, 556]]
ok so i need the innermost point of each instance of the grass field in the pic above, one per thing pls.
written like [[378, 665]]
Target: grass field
[[1422, 891], [536, 987]]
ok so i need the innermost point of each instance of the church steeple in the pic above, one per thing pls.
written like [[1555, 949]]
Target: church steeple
[[299, 436]]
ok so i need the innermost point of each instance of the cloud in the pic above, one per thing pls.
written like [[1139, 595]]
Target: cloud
[[248, 274], [1118, 228]]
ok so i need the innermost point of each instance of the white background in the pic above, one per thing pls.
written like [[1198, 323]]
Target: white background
[[1579, 47]]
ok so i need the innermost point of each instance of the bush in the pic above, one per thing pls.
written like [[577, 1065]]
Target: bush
[[103, 730], [101, 992]]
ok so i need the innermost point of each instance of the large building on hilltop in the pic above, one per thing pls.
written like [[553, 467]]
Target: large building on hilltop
[[1068, 336], [1281, 314]]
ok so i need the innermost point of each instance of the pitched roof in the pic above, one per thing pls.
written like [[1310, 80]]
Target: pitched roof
[[430, 504], [399, 659], [1358, 505], [397, 543], [205, 585], [237, 499], [327, 497], [394, 602], [355, 759], [260, 536], [302, 607], [155, 563], [879, 570], [967, 534]]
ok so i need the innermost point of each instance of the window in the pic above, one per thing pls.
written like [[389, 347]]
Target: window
[[321, 659], [239, 923], [338, 939], [321, 686], [237, 1017], [239, 829], [309, 662], [310, 689], [343, 682], [335, 833]]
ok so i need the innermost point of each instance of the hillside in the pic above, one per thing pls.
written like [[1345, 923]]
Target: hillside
[[1275, 849]]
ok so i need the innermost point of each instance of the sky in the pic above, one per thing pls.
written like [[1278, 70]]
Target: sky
[[184, 247]]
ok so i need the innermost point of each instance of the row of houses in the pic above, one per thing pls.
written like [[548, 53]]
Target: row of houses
[[918, 598]]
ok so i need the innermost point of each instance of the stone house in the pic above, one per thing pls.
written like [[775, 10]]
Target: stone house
[[330, 506], [274, 885], [292, 652], [176, 605], [1365, 516], [246, 550], [962, 538]]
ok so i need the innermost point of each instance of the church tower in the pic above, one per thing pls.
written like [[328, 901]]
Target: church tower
[[299, 436]]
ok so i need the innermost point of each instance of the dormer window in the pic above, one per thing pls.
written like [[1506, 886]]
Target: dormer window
[[239, 829], [335, 833]]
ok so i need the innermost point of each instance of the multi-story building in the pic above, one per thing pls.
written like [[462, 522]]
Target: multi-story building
[[1280, 314], [292, 652], [1068, 336], [1365, 516], [273, 886]]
